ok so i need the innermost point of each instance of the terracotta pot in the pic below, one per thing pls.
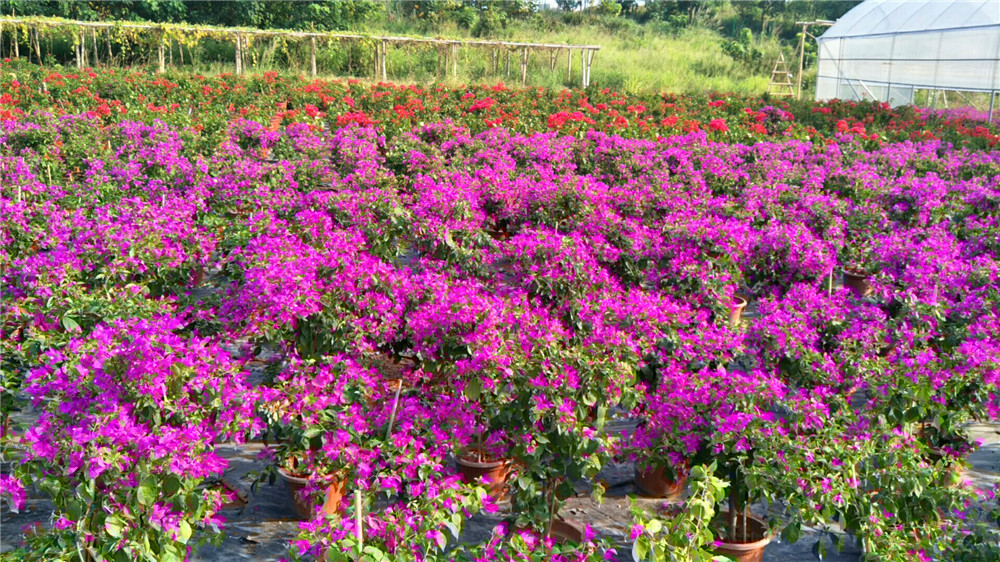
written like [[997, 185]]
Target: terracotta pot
[[858, 283], [563, 531], [197, 276], [494, 473], [653, 482], [736, 310], [750, 551], [304, 506]]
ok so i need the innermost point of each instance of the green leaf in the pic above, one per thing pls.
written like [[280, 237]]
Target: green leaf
[[474, 389], [147, 491], [185, 532], [114, 526], [792, 532], [70, 325]]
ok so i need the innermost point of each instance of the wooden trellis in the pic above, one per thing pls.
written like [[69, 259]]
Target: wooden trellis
[[447, 49]]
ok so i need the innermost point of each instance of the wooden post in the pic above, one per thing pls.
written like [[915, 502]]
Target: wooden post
[[239, 55], [569, 64], [989, 116], [111, 54], [590, 63], [583, 67], [802, 56], [524, 66], [180, 51], [170, 52], [17, 48], [312, 55], [552, 60], [161, 53], [38, 47], [93, 36], [454, 60], [385, 68], [508, 63]]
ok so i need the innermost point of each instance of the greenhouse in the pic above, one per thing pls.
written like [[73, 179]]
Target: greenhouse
[[887, 50]]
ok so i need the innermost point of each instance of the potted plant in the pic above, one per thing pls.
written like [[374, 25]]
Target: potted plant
[[304, 412]]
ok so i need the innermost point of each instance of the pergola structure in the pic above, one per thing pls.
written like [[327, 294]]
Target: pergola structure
[[447, 48]]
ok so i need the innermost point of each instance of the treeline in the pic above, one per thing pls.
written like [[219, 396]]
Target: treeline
[[481, 17]]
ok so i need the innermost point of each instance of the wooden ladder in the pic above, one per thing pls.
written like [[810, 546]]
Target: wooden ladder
[[781, 79]]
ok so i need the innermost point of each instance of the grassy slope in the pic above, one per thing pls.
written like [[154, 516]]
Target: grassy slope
[[639, 60]]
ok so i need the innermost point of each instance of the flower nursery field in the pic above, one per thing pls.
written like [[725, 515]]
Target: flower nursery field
[[784, 316]]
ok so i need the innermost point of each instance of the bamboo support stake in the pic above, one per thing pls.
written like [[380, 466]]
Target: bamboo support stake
[[569, 65], [312, 56], [170, 52], [583, 68], [454, 60], [508, 63], [93, 37], [17, 48], [161, 56], [358, 521], [111, 54]]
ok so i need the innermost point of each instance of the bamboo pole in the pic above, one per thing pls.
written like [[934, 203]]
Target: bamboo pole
[[312, 56], [17, 47], [583, 68], [569, 65], [93, 37], [508, 63]]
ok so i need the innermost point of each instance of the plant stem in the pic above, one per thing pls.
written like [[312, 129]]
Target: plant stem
[[395, 404], [552, 510], [732, 510]]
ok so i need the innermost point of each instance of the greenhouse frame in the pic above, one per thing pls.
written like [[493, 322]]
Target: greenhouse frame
[[886, 50]]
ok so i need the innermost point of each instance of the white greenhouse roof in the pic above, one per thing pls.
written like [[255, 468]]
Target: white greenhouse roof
[[878, 17], [887, 49]]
